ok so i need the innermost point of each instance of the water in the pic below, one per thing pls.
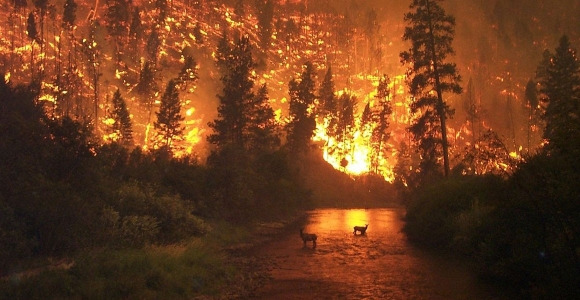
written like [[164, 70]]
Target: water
[[378, 265]]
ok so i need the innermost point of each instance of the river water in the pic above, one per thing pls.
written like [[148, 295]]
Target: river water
[[378, 265]]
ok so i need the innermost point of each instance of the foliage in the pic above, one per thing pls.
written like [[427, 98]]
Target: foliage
[[559, 78], [122, 126], [380, 116], [169, 118], [302, 122], [236, 65], [154, 273], [433, 210], [328, 103], [431, 32]]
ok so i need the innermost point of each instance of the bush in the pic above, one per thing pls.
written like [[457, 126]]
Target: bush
[[150, 273], [438, 214]]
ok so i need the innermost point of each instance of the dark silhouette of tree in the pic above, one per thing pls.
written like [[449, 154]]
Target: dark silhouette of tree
[[559, 79], [431, 32], [236, 65], [265, 9], [153, 44], [327, 104], [533, 105], [69, 14], [92, 51], [122, 126], [403, 169], [118, 17], [472, 110], [161, 6], [263, 130], [135, 35], [42, 8], [147, 87], [169, 119], [302, 124], [380, 130], [33, 36], [188, 74], [346, 125], [197, 33]]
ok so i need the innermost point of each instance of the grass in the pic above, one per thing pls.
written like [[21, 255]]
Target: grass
[[185, 271]]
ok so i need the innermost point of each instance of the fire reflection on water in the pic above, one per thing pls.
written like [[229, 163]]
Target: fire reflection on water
[[378, 265]]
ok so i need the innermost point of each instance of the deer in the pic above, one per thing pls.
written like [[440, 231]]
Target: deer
[[308, 237], [361, 229]]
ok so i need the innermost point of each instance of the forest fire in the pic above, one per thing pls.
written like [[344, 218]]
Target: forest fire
[[81, 57]]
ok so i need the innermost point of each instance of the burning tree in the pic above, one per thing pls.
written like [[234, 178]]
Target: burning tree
[[431, 32]]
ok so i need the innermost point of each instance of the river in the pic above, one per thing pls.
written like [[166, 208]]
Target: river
[[380, 264]]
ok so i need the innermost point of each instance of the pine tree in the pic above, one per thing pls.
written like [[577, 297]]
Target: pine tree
[[263, 129], [431, 33], [168, 124], [559, 79], [146, 87], [236, 65], [34, 38], [69, 14], [532, 104], [122, 126], [118, 16], [472, 110], [135, 35], [188, 74], [380, 133], [302, 123], [327, 104], [265, 16], [153, 44], [346, 125]]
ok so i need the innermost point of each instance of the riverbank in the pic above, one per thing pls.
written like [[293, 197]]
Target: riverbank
[[218, 265]]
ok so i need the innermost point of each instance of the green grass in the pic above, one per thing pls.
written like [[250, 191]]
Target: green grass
[[168, 272]]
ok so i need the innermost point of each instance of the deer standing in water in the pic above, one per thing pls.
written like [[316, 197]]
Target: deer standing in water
[[308, 237], [361, 229]]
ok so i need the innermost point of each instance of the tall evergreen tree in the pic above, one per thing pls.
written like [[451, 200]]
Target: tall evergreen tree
[[472, 110], [327, 104], [532, 104], [153, 44], [118, 17], [431, 32], [236, 64], [69, 14], [122, 126], [188, 74], [346, 125], [135, 35], [263, 129], [146, 87], [302, 123], [265, 17], [559, 79], [380, 133], [33, 36], [169, 118]]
